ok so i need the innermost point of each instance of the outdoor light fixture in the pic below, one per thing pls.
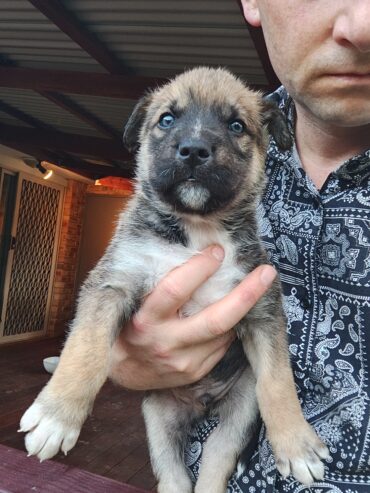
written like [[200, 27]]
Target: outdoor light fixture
[[34, 163], [45, 172]]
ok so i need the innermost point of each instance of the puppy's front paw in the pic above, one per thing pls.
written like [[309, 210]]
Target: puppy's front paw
[[300, 452], [47, 433]]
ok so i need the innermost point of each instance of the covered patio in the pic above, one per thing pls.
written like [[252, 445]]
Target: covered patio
[[71, 72], [112, 443]]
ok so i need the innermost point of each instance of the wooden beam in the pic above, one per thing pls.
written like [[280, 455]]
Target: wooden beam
[[66, 162], [87, 83], [92, 170], [46, 155], [91, 84], [67, 22], [77, 110], [72, 163], [22, 116], [95, 171], [67, 105], [72, 143], [258, 39], [26, 148]]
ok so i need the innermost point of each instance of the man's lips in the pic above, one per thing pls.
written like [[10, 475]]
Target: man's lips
[[351, 76]]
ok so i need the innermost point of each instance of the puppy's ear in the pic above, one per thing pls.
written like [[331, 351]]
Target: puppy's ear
[[276, 124], [132, 128]]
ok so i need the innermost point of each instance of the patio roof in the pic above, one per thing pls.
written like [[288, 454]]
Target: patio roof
[[72, 70]]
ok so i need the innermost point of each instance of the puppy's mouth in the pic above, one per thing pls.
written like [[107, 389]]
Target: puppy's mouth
[[194, 174], [177, 174], [194, 190], [196, 180]]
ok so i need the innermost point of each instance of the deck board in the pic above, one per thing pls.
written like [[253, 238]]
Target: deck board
[[112, 441], [22, 474]]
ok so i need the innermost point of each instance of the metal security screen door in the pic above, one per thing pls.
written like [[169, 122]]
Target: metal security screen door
[[8, 188], [31, 261]]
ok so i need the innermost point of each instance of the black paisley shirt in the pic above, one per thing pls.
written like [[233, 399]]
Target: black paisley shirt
[[320, 243]]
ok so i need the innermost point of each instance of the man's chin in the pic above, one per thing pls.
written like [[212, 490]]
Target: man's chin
[[340, 108], [350, 114]]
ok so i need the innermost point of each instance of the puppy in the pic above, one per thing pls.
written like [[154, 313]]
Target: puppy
[[202, 140]]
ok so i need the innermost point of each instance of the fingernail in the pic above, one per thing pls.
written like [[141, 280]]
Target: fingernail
[[218, 253], [267, 275]]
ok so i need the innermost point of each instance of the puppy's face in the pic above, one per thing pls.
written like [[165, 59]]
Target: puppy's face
[[202, 141]]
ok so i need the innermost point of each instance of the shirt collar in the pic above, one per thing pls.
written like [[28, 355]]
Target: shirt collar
[[356, 169], [353, 171]]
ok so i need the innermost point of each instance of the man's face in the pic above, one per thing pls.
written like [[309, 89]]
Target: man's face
[[320, 50]]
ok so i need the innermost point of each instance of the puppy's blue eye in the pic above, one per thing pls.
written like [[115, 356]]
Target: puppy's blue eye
[[166, 120], [237, 126]]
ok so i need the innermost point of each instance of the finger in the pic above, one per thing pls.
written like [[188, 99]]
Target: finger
[[220, 317], [202, 351], [185, 373], [177, 287], [211, 360]]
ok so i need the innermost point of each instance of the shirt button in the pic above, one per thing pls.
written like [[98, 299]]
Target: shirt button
[[304, 298], [305, 303]]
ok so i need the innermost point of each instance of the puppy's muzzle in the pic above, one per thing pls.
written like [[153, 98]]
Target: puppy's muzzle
[[194, 152]]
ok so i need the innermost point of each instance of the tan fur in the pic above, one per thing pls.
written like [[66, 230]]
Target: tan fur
[[277, 398], [108, 298], [209, 86]]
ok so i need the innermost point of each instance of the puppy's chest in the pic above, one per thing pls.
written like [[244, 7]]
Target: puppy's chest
[[164, 257]]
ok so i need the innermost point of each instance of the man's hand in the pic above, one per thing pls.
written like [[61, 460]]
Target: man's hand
[[158, 349]]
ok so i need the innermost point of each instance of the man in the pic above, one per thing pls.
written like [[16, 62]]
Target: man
[[315, 224]]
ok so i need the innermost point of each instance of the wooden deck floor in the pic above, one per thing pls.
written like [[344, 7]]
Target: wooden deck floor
[[112, 442]]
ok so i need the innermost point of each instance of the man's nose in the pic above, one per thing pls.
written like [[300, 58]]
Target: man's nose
[[194, 151], [352, 26]]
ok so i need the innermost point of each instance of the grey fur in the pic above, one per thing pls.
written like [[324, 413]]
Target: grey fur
[[183, 202]]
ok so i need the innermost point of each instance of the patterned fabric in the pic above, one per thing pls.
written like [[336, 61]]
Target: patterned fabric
[[320, 243]]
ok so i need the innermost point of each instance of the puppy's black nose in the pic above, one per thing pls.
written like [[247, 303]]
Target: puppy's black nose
[[194, 151]]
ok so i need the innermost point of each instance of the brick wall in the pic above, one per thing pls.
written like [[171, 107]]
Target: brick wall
[[63, 294], [101, 190]]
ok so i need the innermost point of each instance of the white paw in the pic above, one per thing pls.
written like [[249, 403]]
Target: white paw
[[301, 455], [46, 435]]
